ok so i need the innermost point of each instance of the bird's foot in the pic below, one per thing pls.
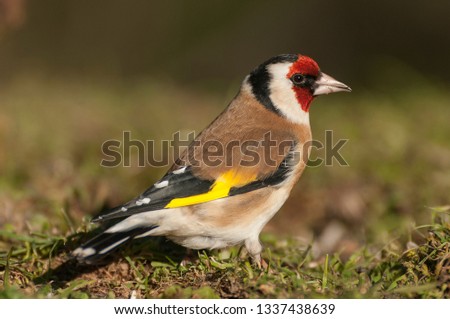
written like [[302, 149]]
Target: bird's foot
[[188, 258], [262, 265]]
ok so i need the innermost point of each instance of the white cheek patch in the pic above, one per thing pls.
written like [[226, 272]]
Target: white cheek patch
[[283, 96]]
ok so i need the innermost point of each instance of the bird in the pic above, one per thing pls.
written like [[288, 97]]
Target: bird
[[235, 175]]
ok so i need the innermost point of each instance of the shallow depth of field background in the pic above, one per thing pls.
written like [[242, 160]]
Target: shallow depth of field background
[[74, 74]]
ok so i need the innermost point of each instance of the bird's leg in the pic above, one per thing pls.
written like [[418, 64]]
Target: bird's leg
[[188, 258], [254, 248]]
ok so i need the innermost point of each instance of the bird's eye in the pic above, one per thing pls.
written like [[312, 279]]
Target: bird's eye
[[297, 79]]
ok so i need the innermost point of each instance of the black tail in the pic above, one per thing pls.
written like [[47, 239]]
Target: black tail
[[105, 243]]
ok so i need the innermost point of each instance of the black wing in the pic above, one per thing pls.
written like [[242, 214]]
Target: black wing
[[181, 183]]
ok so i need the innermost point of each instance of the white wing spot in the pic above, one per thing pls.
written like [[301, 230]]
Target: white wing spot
[[161, 184], [142, 201], [180, 170], [83, 253], [123, 209]]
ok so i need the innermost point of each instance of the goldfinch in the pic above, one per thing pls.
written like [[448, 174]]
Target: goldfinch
[[236, 174]]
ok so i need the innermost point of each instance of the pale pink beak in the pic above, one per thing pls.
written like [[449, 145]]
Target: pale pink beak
[[325, 84]]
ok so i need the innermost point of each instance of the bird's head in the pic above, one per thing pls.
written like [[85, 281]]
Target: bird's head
[[287, 84]]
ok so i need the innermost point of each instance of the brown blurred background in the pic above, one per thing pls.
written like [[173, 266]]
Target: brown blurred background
[[204, 41]]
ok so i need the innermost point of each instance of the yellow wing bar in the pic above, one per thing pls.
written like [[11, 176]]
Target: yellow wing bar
[[219, 189]]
